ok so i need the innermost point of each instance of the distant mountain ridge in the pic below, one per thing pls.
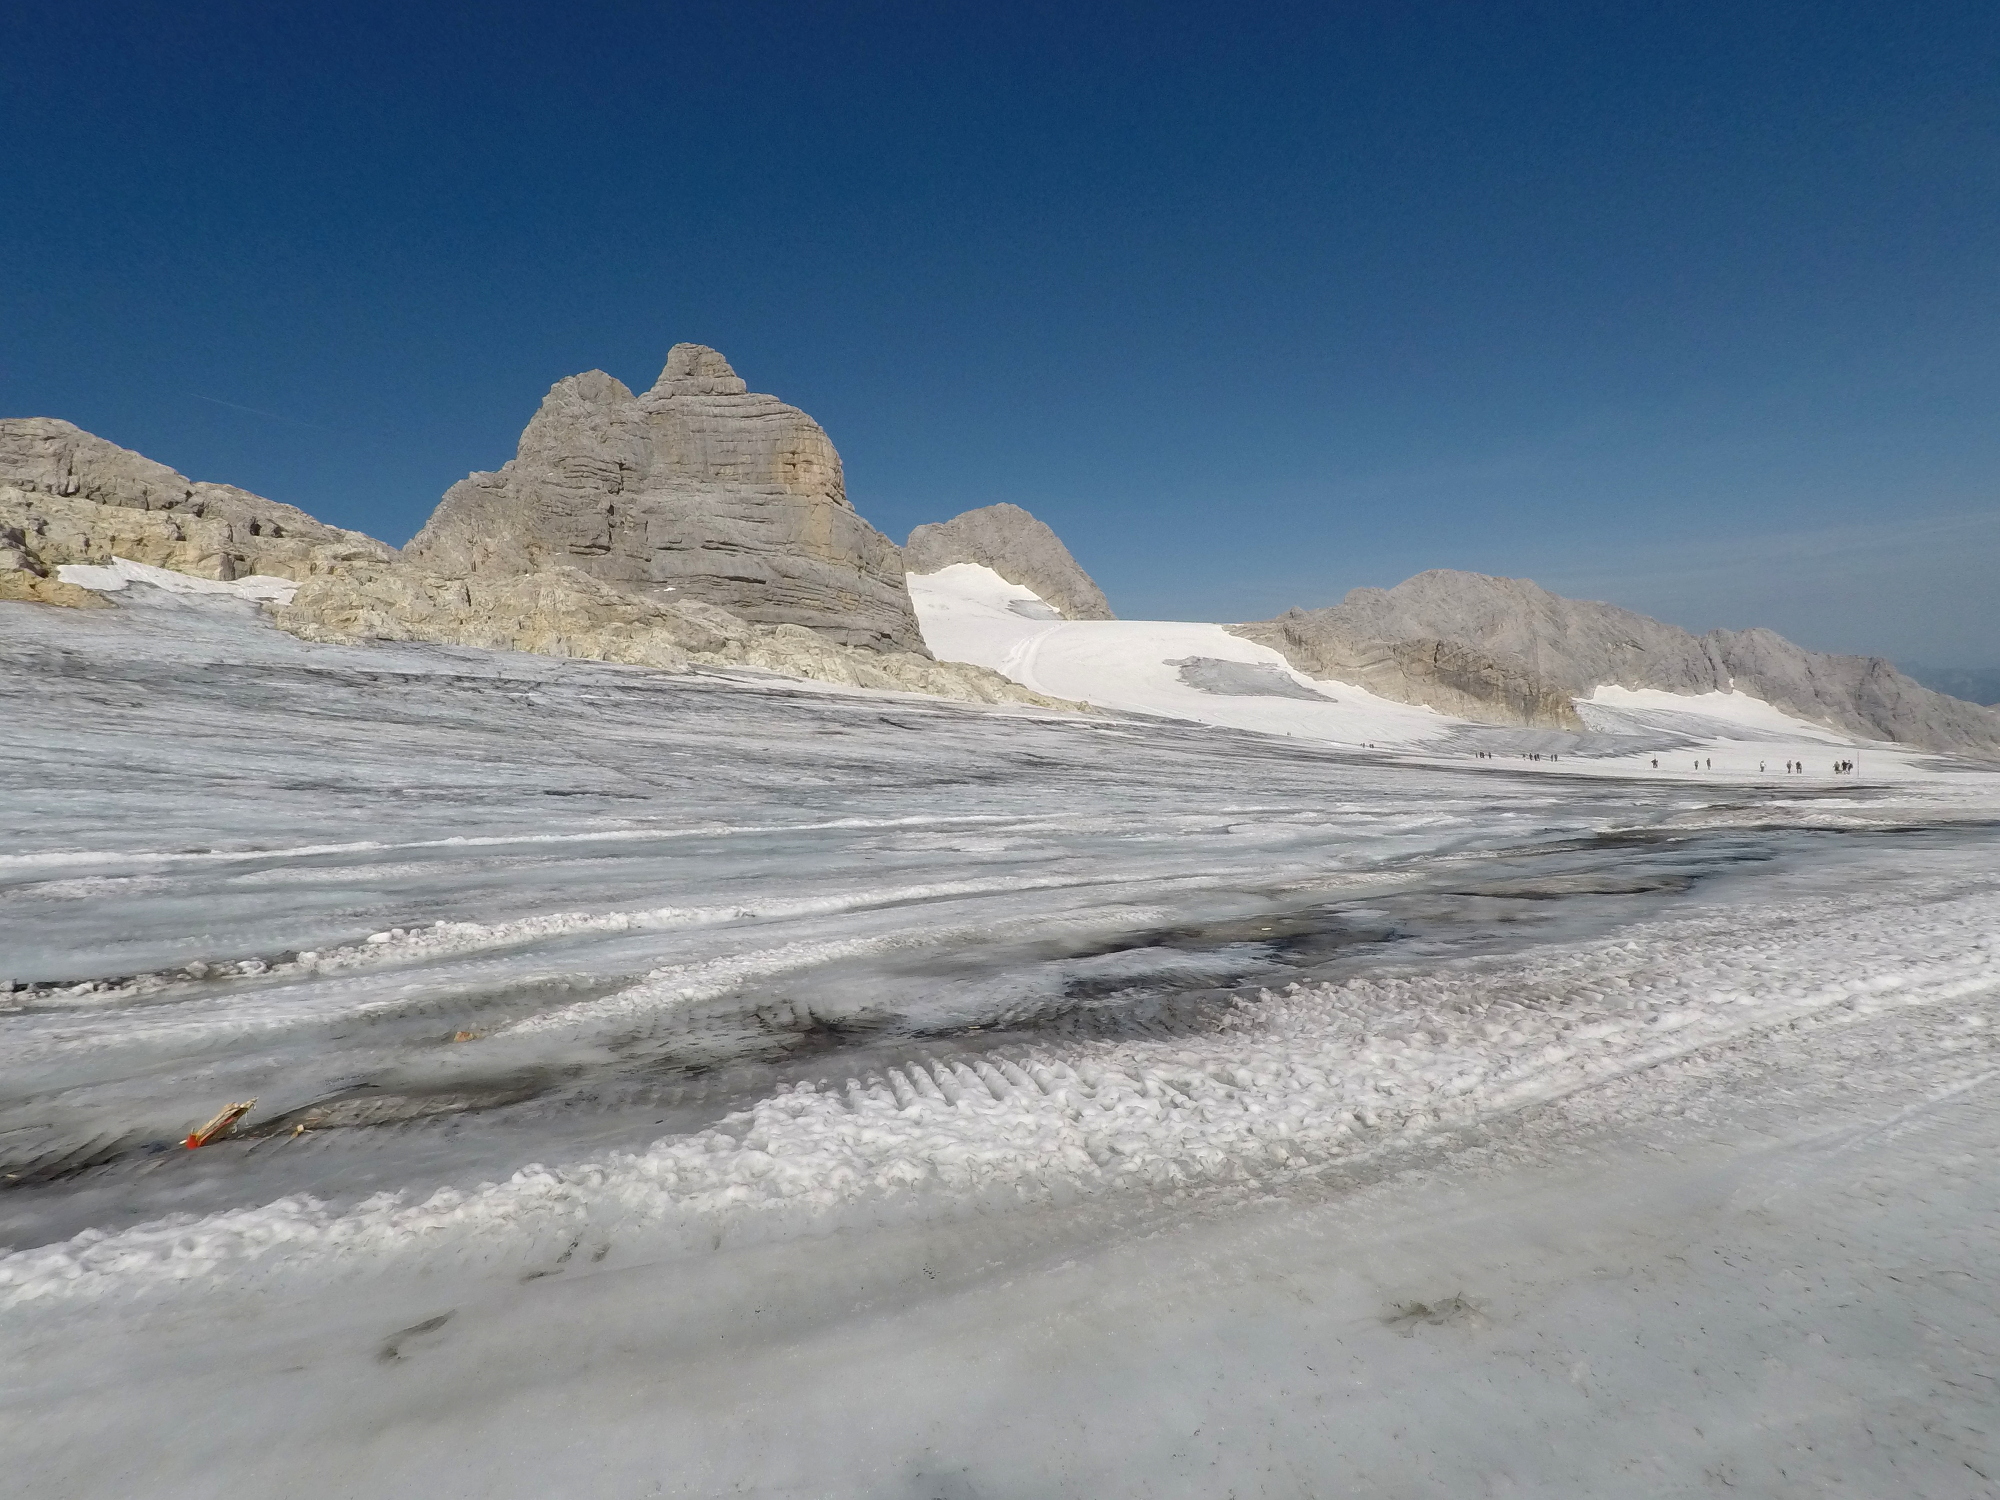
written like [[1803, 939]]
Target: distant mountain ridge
[[1973, 684], [1020, 548], [1508, 651]]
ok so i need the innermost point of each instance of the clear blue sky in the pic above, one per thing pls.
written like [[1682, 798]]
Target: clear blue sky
[[1692, 307]]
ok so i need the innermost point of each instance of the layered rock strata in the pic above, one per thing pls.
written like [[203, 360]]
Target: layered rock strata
[[697, 490], [26, 579], [1506, 651], [67, 496], [1445, 675], [1019, 548]]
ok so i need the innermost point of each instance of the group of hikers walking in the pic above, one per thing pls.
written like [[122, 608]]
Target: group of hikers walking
[[1702, 763], [1792, 767]]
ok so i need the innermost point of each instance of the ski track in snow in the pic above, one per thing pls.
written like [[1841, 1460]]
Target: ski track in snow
[[1298, 1078]]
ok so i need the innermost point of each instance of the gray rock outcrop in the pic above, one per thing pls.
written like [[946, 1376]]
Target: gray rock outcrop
[[1506, 651], [1019, 548], [73, 497], [563, 611], [26, 579], [1448, 676], [69, 497], [697, 490], [1973, 684]]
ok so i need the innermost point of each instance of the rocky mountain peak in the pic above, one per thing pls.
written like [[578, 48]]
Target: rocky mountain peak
[[697, 490], [697, 370]]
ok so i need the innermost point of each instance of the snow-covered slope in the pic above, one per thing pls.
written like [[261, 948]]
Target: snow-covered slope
[[1178, 670], [1206, 674]]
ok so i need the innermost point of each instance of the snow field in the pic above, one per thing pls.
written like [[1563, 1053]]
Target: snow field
[[1312, 1075], [1131, 665], [969, 613], [1619, 1134], [122, 573]]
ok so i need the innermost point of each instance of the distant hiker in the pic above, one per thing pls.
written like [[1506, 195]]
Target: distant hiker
[[1656, 763]]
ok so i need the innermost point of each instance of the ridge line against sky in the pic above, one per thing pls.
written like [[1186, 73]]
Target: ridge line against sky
[[1689, 308]]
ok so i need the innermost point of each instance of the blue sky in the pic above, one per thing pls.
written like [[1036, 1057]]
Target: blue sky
[[1691, 307]]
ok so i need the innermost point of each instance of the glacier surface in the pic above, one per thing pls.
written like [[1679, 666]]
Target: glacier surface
[[715, 1084]]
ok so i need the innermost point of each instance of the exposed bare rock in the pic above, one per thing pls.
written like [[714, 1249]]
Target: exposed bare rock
[[1861, 694], [1505, 650], [696, 490], [79, 499], [69, 497], [58, 529], [1973, 684], [25, 579], [1019, 548], [1444, 675], [1573, 644], [564, 611]]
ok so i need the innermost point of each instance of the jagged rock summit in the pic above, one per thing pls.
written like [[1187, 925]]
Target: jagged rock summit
[[698, 490], [67, 496], [1508, 651], [1019, 548]]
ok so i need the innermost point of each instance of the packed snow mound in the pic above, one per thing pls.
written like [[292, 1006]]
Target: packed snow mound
[[1735, 714], [1175, 669], [1524, 652], [123, 572], [1021, 549]]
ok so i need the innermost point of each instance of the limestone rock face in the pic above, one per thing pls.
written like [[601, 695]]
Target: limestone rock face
[[563, 611], [25, 579], [76, 498], [1506, 651], [697, 490], [1572, 644], [1449, 676], [1863, 694], [1019, 548], [69, 497]]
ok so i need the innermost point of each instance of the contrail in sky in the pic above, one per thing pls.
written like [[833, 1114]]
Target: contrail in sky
[[256, 411]]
